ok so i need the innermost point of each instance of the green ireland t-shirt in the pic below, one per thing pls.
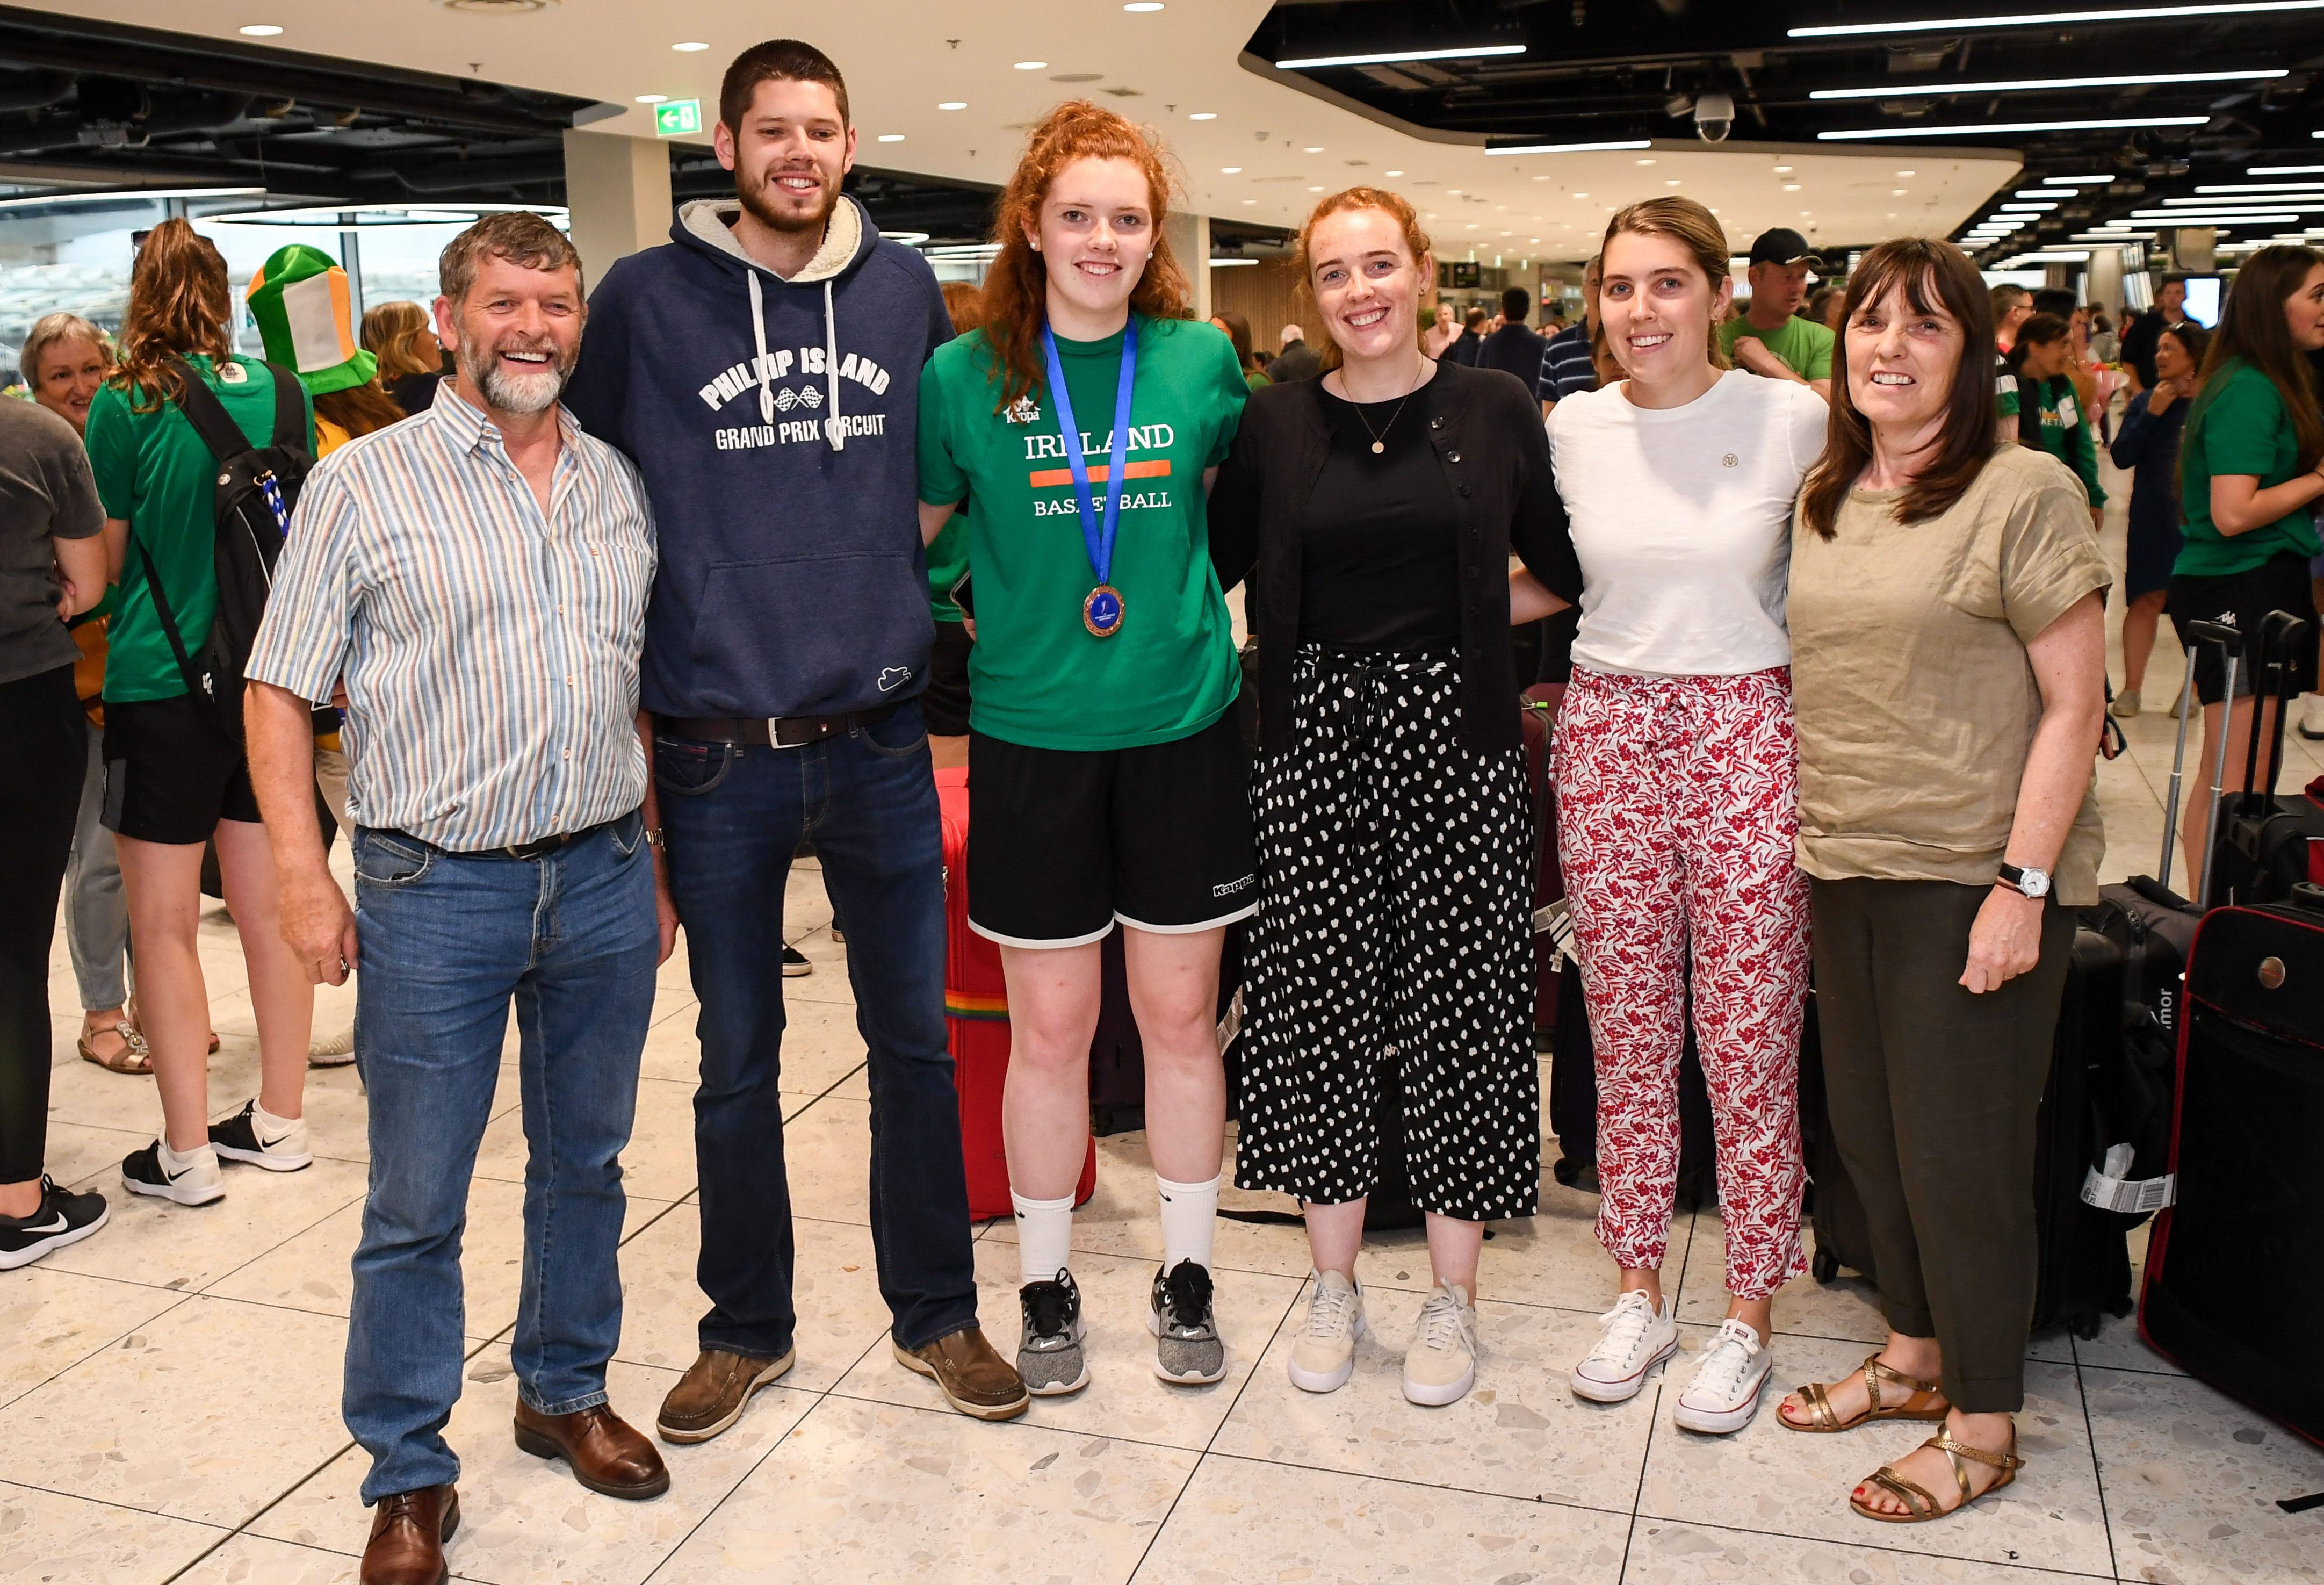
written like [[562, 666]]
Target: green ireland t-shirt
[[1801, 345], [947, 559], [1036, 675], [2238, 425], [153, 472]]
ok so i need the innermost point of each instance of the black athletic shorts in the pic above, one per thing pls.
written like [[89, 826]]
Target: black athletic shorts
[[171, 776], [1063, 842], [944, 703], [2244, 599]]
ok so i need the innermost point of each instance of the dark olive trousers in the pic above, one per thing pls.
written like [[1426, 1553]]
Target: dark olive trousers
[[1932, 1092]]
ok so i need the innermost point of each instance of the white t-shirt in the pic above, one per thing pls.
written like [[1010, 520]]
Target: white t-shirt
[[1682, 521]]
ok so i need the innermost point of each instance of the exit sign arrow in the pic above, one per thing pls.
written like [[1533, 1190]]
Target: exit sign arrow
[[676, 117]]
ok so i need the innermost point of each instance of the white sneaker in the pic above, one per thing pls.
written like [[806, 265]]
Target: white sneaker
[[1441, 1366], [197, 1183], [2311, 716], [1633, 1337], [1725, 1392], [1323, 1354], [2126, 705]]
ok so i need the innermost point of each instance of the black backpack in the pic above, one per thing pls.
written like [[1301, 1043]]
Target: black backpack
[[257, 487]]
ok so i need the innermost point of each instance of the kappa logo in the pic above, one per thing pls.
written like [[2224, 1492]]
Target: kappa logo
[[1023, 410], [894, 677]]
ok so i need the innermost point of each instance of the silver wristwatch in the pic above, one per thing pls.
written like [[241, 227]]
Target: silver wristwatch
[[2029, 882]]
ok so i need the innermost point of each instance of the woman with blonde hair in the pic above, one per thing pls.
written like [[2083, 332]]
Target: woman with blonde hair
[[402, 337], [173, 779], [1676, 793], [1084, 419], [1391, 964]]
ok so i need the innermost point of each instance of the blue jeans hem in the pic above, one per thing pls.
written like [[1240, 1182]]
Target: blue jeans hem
[[568, 1406], [942, 1331]]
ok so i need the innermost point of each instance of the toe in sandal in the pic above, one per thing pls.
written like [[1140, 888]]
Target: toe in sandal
[[1921, 1506], [134, 1057], [1823, 1419]]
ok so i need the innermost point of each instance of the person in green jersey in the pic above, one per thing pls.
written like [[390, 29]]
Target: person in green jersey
[[2037, 405], [172, 779], [1769, 338], [1084, 423], [2251, 468]]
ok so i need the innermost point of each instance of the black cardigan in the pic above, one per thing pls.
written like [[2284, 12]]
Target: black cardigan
[[1490, 440]]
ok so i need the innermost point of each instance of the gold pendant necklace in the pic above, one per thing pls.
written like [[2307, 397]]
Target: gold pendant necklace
[[1380, 436]]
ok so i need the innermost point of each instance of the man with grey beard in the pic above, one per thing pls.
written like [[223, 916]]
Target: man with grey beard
[[476, 579]]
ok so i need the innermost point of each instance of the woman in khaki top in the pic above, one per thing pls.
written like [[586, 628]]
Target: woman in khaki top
[[1948, 653]]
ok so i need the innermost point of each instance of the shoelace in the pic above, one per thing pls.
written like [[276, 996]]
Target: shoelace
[[1330, 1312], [1623, 1326], [1186, 1297], [1728, 1357], [1442, 1324], [1046, 1305]]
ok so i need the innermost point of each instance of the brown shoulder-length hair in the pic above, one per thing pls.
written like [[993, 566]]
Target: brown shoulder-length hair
[[1397, 207], [390, 333], [1936, 277], [1016, 284], [2252, 330], [179, 303], [1693, 227]]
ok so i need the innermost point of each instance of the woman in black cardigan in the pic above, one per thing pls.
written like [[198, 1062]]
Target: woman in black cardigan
[[1392, 952]]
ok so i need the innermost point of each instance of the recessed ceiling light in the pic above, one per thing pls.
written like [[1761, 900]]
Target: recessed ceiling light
[[1580, 195], [690, 48], [1896, 192], [953, 105], [1782, 170], [1316, 150], [892, 137], [1392, 173], [1315, 189], [1981, 128], [1908, 173], [1229, 171], [1791, 186], [1671, 181], [1202, 115], [1645, 162], [1143, 6], [1250, 200], [651, 99], [260, 30], [1032, 66]]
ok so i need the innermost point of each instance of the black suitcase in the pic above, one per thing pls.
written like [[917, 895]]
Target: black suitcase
[[1573, 1104], [2246, 1149], [2155, 927], [1843, 1234], [2262, 849], [2084, 1252]]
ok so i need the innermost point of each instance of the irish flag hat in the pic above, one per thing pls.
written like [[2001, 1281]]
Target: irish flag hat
[[305, 316]]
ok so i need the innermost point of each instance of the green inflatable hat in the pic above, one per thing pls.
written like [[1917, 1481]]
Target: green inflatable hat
[[305, 316]]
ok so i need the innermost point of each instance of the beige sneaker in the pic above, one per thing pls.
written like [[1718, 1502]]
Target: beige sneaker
[[1442, 1366], [1323, 1354]]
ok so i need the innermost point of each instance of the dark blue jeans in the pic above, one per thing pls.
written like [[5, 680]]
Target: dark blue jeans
[[733, 815], [447, 940]]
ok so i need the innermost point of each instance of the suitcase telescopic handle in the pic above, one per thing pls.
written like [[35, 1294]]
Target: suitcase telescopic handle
[[2227, 635]]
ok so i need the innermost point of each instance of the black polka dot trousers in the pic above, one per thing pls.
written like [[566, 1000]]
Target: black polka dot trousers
[[1394, 936]]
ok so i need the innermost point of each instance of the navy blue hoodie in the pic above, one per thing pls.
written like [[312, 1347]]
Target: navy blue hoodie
[[776, 425]]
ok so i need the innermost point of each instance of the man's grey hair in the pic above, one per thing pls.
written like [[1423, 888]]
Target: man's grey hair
[[520, 236]]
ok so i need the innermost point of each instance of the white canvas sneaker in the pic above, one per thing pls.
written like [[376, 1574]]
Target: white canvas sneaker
[[1323, 1354], [1728, 1384], [1633, 1337], [1441, 1365]]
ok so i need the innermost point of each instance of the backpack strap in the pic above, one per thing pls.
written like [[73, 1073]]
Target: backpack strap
[[169, 620], [289, 410], [210, 418]]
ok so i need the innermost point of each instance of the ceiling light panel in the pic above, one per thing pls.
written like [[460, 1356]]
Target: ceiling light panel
[[2051, 18], [2033, 84], [1465, 52], [1986, 128]]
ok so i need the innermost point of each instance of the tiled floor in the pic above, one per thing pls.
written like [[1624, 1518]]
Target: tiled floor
[[169, 1390]]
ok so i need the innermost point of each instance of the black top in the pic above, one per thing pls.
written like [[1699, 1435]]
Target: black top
[[415, 393], [2139, 339], [1295, 362], [1464, 350], [1514, 349], [1379, 554], [2149, 443], [1490, 450]]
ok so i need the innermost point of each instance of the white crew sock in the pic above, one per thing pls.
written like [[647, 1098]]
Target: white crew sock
[[1189, 1216], [177, 1165], [1044, 1237], [272, 1129]]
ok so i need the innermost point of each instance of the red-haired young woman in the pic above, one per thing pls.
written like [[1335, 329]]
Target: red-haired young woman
[[1083, 422]]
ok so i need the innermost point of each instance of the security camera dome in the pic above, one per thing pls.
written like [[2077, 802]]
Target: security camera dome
[[1714, 117]]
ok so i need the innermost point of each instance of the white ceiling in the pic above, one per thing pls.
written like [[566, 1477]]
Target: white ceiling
[[902, 57]]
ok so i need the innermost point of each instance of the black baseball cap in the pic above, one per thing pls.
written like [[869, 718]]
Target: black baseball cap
[[1784, 245]]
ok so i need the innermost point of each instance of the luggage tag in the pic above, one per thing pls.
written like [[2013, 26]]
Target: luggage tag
[[2106, 1187]]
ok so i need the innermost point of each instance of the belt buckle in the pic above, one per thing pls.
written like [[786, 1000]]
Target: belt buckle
[[775, 736]]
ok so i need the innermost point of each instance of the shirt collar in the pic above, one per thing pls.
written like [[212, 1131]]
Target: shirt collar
[[467, 429]]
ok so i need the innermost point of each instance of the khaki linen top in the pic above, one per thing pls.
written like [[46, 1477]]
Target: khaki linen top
[[1916, 704]]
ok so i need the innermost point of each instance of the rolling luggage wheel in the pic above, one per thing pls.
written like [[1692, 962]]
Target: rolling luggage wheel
[[1824, 1267]]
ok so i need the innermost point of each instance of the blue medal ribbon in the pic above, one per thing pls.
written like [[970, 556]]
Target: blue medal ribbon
[[1102, 612]]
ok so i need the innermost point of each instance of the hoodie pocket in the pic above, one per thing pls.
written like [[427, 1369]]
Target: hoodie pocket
[[811, 635]]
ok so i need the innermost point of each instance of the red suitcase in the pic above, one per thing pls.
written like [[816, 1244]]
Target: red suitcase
[[976, 1023]]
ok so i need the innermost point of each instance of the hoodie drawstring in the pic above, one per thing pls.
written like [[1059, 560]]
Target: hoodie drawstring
[[831, 426], [765, 364]]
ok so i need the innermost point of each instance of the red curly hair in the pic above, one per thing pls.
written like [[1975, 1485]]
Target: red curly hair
[[1397, 207], [1017, 285]]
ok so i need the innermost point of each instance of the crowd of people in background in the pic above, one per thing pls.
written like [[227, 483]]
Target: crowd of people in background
[[559, 614]]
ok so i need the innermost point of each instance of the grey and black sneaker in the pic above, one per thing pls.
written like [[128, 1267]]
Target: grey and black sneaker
[[1187, 1347], [796, 963], [58, 1219], [1050, 1353], [238, 1140]]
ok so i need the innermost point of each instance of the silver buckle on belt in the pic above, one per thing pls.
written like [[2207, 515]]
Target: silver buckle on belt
[[775, 734]]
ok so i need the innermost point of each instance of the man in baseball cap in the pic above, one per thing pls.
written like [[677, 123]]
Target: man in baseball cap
[[1771, 338]]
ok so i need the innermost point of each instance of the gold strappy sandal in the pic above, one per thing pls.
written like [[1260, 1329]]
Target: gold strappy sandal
[[1823, 1419], [1921, 1505]]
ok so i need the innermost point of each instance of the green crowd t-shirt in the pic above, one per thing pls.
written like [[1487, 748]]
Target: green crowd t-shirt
[[153, 472], [947, 559], [1036, 675], [2238, 425], [1801, 345]]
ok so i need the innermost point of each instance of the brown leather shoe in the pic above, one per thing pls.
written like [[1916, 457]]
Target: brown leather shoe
[[974, 1379], [606, 1455], [714, 1392], [408, 1532]]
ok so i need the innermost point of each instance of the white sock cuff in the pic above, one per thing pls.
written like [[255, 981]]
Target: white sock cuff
[[173, 1163], [1024, 1207], [1170, 1190], [271, 1126]]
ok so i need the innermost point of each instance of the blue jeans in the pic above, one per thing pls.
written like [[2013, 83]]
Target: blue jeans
[[447, 939], [733, 815]]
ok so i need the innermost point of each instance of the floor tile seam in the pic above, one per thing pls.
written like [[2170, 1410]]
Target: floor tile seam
[[1538, 1500], [2097, 1470], [1025, 1422], [225, 1532], [1868, 1545], [112, 1342], [258, 1255], [272, 1503]]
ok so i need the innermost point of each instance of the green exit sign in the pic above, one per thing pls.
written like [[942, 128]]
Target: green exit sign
[[676, 117]]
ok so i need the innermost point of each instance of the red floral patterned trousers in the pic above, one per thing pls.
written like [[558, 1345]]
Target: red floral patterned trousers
[[1677, 806]]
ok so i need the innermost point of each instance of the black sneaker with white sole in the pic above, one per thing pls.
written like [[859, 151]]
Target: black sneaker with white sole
[[796, 963], [238, 1140], [1186, 1346], [1049, 1357], [142, 1173], [61, 1219]]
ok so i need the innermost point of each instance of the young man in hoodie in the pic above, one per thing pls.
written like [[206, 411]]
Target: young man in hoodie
[[763, 370]]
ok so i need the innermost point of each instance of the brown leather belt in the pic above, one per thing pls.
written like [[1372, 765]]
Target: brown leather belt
[[782, 732]]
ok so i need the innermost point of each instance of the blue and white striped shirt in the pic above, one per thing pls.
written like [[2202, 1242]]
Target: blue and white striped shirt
[[490, 655]]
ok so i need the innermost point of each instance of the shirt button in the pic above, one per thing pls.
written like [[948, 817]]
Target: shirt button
[[1437, 423], [568, 753], [1451, 457], [568, 679]]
